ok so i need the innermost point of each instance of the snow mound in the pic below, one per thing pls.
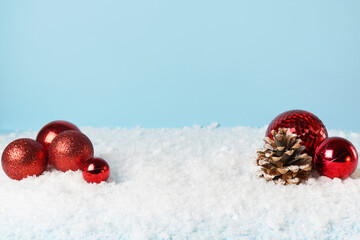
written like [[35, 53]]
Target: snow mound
[[190, 183]]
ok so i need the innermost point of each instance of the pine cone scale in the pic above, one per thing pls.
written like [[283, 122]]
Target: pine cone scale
[[282, 160]]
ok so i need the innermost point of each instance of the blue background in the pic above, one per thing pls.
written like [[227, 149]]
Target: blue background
[[166, 63]]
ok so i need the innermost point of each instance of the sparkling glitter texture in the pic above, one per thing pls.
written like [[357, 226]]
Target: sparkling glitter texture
[[70, 150], [23, 157], [47, 134], [96, 170], [336, 158], [306, 125]]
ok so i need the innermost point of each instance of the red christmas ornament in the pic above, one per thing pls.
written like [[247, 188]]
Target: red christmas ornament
[[96, 170], [306, 125], [70, 150], [336, 158], [47, 134], [23, 157]]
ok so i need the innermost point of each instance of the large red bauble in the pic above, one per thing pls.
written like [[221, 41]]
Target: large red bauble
[[96, 170], [306, 125], [23, 157], [47, 134], [336, 158], [70, 150]]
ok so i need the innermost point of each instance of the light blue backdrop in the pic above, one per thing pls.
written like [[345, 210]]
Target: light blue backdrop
[[166, 63]]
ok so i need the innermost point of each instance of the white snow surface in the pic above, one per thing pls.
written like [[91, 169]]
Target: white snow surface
[[190, 183]]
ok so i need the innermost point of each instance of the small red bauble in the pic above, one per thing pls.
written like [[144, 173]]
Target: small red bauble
[[96, 170], [336, 158], [306, 125], [23, 157], [47, 134], [70, 150]]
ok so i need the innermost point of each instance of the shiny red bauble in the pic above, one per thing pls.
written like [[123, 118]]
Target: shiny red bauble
[[306, 125], [47, 134], [336, 158], [70, 150], [23, 157], [96, 170]]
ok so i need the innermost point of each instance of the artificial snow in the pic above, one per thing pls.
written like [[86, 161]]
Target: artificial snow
[[190, 183]]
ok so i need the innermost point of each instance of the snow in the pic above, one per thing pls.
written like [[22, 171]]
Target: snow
[[190, 183]]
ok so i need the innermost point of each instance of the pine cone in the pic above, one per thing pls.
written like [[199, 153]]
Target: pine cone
[[282, 160]]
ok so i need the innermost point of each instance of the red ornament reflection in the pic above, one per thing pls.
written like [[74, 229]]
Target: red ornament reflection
[[306, 125], [47, 134], [336, 158], [96, 170]]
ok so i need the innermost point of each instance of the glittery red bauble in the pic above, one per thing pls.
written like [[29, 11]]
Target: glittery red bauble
[[306, 125], [70, 150], [336, 158], [47, 134], [23, 157], [96, 170]]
